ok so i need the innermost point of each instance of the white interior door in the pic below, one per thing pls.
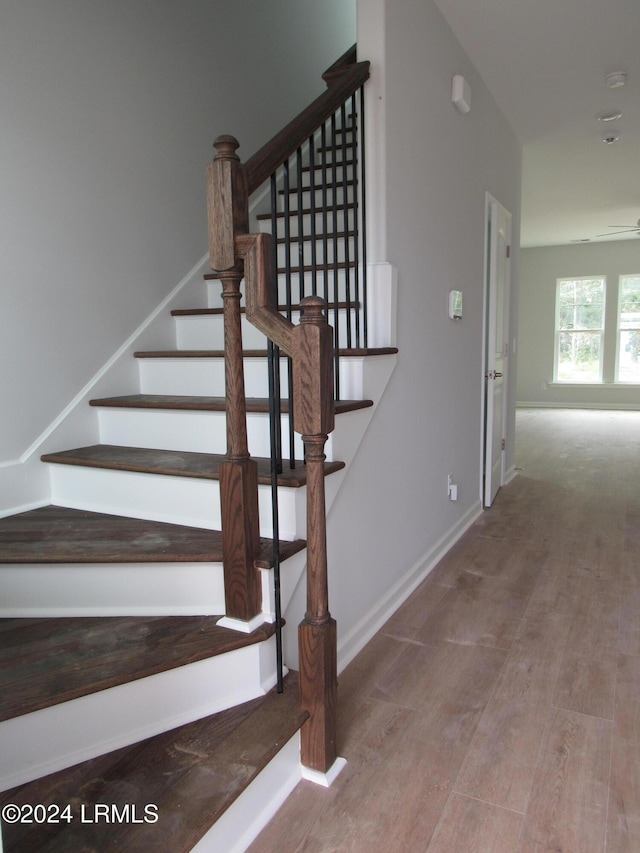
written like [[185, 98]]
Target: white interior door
[[497, 347]]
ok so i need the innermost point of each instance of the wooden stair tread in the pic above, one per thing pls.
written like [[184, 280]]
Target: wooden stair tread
[[177, 463], [45, 662], [55, 534], [253, 353], [208, 404], [192, 774]]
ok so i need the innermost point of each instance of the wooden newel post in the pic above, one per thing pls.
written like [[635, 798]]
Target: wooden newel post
[[228, 218], [312, 345]]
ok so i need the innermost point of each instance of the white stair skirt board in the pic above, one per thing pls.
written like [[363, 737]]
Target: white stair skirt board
[[111, 589], [325, 779], [242, 822], [161, 497], [109, 719]]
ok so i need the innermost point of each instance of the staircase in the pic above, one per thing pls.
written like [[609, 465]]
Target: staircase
[[139, 708]]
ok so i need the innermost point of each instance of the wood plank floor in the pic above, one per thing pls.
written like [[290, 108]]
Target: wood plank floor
[[498, 711]]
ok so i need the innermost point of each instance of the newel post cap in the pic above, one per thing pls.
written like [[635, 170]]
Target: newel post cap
[[312, 310], [226, 147]]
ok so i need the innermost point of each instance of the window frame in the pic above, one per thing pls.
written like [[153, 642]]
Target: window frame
[[619, 330], [558, 330]]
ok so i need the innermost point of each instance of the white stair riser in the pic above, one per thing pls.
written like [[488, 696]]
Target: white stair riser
[[203, 376], [201, 432], [206, 332], [176, 500], [93, 725], [112, 589], [131, 589]]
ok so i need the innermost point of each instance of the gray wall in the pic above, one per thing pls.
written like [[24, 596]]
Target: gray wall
[[434, 167], [109, 110], [540, 268]]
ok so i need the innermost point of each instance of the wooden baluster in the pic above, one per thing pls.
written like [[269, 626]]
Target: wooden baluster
[[228, 218], [314, 419]]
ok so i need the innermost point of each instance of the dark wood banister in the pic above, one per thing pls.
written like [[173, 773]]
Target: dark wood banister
[[342, 84], [235, 252]]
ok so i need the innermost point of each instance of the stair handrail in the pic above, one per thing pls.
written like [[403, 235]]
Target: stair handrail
[[235, 252], [343, 79]]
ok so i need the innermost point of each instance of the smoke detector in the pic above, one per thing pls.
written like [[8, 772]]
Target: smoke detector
[[606, 117], [616, 79]]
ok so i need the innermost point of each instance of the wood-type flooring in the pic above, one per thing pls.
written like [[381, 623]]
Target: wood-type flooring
[[498, 711]]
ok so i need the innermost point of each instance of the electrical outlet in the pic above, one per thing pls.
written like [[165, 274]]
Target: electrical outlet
[[543, 386]]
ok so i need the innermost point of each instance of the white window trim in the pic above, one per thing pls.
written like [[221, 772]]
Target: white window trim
[[600, 382], [617, 380]]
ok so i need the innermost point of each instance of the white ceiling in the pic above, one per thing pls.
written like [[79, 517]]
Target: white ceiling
[[545, 63]]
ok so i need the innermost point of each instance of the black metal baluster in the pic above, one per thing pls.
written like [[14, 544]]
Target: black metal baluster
[[312, 205], [334, 265], [288, 299], [275, 441], [363, 222], [345, 208], [325, 246], [356, 221], [301, 234]]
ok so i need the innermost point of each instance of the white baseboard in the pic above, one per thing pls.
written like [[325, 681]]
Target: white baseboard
[[374, 619], [510, 474], [327, 779], [631, 407]]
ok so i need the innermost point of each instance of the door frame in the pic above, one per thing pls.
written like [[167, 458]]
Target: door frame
[[492, 205]]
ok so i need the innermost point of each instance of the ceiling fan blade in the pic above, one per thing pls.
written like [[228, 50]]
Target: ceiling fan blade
[[613, 233]]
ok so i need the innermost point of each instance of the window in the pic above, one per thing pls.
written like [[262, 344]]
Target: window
[[628, 361], [579, 329]]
